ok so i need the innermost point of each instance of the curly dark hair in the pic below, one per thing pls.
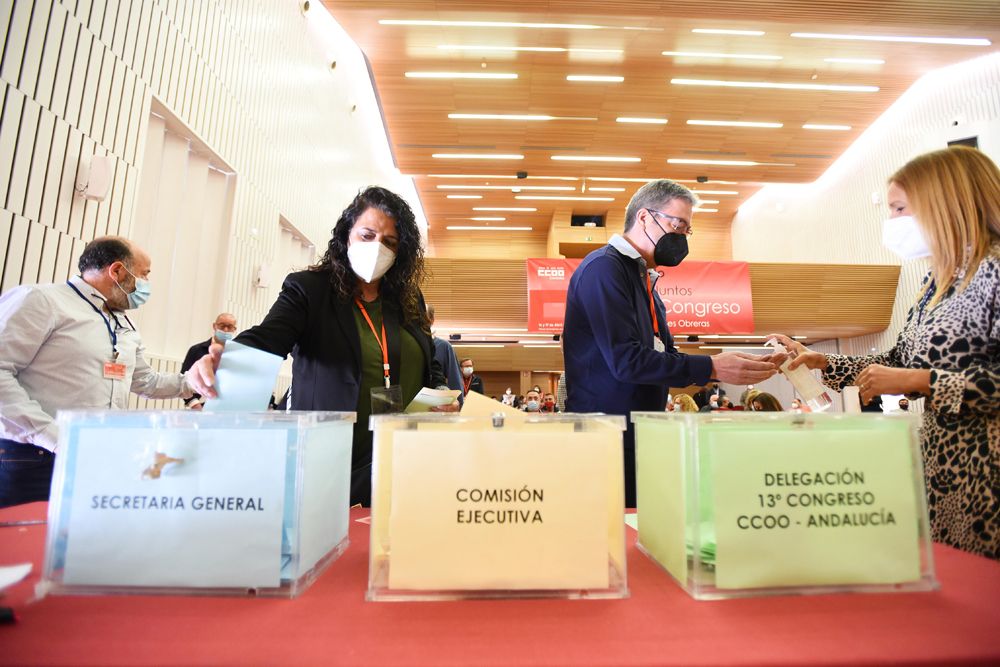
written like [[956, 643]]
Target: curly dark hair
[[401, 283]]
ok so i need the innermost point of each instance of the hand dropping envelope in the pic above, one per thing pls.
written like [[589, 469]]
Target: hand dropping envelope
[[244, 380], [429, 398]]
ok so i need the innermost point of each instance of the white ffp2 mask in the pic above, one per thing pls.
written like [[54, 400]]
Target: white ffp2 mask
[[370, 259], [904, 237]]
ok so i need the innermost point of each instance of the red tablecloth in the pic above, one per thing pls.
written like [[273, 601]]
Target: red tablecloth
[[332, 624]]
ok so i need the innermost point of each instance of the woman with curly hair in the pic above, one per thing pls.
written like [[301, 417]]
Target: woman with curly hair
[[686, 403], [355, 323]]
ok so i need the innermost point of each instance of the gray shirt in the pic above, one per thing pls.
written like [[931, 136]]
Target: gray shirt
[[53, 346]]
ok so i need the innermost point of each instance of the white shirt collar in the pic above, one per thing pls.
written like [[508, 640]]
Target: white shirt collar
[[618, 242], [89, 292]]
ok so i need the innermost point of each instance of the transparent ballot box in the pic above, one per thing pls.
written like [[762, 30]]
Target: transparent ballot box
[[737, 504], [196, 502], [467, 507]]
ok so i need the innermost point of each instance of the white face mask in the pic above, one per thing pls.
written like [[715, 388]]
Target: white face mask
[[370, 259], [903, 236], [466, 371]]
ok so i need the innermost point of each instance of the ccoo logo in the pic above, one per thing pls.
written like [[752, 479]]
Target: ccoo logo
[[545, 272]]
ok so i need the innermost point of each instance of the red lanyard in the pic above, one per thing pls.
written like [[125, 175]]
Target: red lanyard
[[381, 343], [652, 308]]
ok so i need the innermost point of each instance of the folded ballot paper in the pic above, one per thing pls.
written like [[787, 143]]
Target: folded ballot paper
[[428, 398]]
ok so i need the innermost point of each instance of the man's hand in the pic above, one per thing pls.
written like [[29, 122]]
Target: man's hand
[[801, 355], [741, 368], [201, 376]]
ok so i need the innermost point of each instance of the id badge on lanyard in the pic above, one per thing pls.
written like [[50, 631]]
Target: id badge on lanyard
[[387, 399]]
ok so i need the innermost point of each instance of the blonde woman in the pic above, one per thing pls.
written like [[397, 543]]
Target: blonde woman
[[945, 206], [686, 403]]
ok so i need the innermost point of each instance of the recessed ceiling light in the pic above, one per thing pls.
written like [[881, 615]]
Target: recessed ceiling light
[[716, 192], [771, 84], [553, 198], [709, 201], [596, 78], [606, 189], [633, 119], [619, 180], [513, 116], [705, 210], [488, 219], [957, 41], [471, 176], [855, 61], [477, 156], [465, 196], [730, 163], [815, 126], [538, 49], [732, 56], [595, 158], [505, 208], [461, 75], [721, 31], [492, 24], [733, 123], [470, 228]]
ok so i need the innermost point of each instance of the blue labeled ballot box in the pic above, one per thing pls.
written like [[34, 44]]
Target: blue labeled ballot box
[[197, 503]]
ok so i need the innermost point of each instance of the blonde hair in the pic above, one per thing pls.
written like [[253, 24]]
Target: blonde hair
[[687, 403], [955, 196]]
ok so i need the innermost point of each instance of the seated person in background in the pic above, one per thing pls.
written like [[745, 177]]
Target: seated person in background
[[532, 401], [223, 330], [725, 404], [684, 403], [904, 404], [549, 404], [355, 323], [765, 402]]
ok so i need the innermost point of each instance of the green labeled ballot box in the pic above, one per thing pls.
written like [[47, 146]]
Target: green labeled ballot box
[[737, 504], [227, 503], [497, 506]]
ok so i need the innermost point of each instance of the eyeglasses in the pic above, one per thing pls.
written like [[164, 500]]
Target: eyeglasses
[[679, 225]]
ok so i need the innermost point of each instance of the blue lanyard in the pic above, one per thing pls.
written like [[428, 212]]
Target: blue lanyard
[[107, 322], [931, 289]]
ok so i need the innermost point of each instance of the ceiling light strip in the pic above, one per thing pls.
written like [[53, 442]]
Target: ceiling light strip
[[477, 156], [724, 31], [514, 116], [731, 56], [471, 228], [734, 123], [554, 198], [910, 39], [855, 61], [460, 75], [776, 85], [535, 49], [595, 158], [730, 163]]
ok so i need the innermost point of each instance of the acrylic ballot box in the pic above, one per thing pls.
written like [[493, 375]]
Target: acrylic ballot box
[[488, 507], [197, 503], [736, 504]]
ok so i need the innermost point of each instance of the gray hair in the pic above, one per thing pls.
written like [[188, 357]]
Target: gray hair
[[655, 195]]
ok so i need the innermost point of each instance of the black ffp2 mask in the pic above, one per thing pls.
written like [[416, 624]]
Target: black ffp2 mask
[[670, 250]]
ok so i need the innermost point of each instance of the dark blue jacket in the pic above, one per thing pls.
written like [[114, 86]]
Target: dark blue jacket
[[611, 365]]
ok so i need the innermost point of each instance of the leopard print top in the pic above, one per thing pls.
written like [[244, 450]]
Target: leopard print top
[[959, 340]]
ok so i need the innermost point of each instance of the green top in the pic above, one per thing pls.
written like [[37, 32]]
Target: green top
[[411, 373]]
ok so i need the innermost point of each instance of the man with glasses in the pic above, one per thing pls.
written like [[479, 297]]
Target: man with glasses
[[223, 330], [619, 355]]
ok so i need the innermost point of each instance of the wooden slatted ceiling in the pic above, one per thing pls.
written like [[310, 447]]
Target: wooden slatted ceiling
[[416, 110], [820, 301]]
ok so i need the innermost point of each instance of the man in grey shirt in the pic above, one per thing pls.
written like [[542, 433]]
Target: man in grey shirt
[[70, 346]]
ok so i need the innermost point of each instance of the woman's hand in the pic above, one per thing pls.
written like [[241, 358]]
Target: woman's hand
[[801, 355], [876, 380], [454, 407], [201, 376]]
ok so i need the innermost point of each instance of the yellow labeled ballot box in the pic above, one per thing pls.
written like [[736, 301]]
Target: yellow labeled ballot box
[[493, 506], [225, 503], [736, 504]]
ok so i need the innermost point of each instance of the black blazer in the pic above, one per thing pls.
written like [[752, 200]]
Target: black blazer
[[318, 329]]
